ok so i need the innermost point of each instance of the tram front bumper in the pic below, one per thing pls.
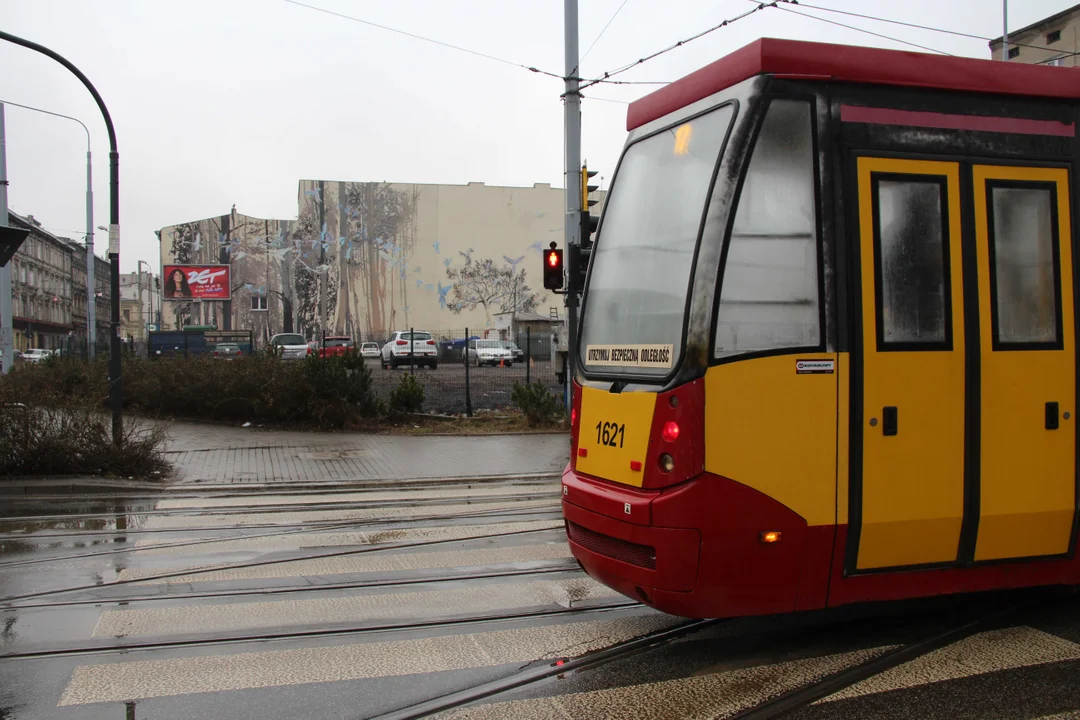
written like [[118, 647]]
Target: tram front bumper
[[640, 561], [694, 549]]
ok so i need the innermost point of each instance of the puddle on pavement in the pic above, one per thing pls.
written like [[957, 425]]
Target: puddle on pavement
[[17, 536]]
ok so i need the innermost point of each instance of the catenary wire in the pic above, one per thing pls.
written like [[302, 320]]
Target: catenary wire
[[605, 78], [914, 25], [591, 46], [477, 53], [852, 27]]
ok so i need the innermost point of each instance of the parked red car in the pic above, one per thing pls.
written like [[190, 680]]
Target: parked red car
[[336, 346]]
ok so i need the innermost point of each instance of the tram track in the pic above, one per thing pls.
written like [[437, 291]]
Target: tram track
[[539, 671], [180, 544], [566, 567], [287, 507], [306, 526], [801, 697], [7, 601], [124, 648]]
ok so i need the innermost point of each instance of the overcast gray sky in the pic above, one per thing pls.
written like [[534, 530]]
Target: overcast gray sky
[[219, 102]]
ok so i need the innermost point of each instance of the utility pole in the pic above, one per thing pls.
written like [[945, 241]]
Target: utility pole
[[571, 171], [1005, 30], [7, 356]]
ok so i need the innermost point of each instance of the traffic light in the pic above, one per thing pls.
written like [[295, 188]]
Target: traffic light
[[553, 268], [580, 255], [586, 188]]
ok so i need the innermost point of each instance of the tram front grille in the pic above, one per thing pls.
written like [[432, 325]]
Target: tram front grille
[[642, 556]]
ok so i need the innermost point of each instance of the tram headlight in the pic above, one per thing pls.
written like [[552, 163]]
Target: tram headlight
[[666, 463]]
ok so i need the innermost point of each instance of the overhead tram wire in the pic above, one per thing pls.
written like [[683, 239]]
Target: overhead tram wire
[[916, 26], [589, 50], [477, 53], [605, 78], [851, 27]]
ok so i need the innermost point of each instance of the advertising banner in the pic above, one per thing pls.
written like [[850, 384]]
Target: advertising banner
[[196, 282]]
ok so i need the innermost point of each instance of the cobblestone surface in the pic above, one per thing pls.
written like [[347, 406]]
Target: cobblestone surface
[[207, 454]]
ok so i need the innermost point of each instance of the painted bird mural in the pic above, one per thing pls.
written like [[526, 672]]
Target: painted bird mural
[[442, 294]]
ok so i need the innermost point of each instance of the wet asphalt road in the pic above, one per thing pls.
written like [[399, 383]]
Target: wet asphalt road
[[357, 603]]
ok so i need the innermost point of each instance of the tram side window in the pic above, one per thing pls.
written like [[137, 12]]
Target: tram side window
[[1023, 252], [912, 297], [769, 292]]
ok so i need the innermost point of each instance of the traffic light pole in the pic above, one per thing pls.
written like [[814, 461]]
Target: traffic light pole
[[572, 165]]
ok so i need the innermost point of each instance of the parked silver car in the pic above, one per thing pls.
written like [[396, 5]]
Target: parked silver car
[[227, 351], [489, 352], [292, 346], [36, 355]]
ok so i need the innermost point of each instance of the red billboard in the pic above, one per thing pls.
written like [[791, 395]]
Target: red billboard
[[196, 282]]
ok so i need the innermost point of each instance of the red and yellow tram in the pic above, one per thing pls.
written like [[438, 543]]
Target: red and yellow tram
[[827, 350]]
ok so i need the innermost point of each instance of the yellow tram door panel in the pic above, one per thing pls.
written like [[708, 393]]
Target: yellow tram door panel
[[1027, 494], [911, 486]]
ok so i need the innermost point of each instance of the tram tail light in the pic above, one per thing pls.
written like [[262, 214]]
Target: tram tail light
[[770, 536], [670, 433], [666, 463]]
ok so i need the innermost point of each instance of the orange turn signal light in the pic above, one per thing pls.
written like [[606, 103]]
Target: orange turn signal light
[[770, 536]]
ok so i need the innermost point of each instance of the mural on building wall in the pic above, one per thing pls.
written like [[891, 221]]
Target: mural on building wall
[[368, 258]]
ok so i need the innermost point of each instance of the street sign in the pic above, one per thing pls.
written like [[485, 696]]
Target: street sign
[[152, 327]]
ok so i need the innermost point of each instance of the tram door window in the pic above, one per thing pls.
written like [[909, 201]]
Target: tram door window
[[908, 499], [1028, 362], [769, 292]]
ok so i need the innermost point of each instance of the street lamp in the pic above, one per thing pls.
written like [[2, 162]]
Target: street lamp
[[91, 328], [116, 376]]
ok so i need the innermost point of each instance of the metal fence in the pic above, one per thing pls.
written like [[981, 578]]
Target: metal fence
[[462, 382]]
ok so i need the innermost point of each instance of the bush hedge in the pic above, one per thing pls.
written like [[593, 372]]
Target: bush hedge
[[541, 406], [328, 393], [70, 436]]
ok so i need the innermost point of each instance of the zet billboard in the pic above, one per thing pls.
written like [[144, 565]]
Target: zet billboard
[[196, 282]]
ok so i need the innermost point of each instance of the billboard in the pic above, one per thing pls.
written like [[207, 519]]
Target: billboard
[[196, 282]]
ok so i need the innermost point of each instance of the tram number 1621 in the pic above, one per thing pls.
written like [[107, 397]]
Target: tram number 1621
[[610, 434]]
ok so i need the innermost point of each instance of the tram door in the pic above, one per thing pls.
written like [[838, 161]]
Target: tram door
[[1027, 493], [907, 495], [963, 438]]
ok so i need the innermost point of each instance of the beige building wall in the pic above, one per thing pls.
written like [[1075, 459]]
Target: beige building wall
[[1052, 41], [371, 258]]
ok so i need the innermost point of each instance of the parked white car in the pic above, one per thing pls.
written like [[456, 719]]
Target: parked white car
[[36, 355], [369, 350], [424, 351], [490, 352], [292, 346]]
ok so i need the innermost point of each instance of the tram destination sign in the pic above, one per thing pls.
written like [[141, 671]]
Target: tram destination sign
[[631, 355]]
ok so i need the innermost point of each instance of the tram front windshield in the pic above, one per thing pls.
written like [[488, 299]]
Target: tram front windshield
[[640, 276]]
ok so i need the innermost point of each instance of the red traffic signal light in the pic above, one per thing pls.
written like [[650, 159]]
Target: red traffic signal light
[[553, 268]]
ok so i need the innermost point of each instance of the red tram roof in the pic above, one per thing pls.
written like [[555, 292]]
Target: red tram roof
[[848, 63]]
